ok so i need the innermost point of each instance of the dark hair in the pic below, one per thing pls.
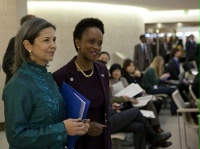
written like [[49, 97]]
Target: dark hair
[[174, 51], [127, 63], [83, 25], [26, 17], [28, 31], [104, 52], [115, 66], [142, 36]]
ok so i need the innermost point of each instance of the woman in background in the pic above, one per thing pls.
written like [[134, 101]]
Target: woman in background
[[131, 73], [155, 82], [115, 72], [34, 108]]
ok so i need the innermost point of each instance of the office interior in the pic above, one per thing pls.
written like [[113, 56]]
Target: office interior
[[124, 22]]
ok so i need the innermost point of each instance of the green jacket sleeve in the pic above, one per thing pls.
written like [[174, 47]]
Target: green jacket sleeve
[[150, 78], [117, 100], [20, 132]]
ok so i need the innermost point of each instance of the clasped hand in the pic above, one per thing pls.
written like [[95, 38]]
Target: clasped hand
[[95, 129], [76, 126]]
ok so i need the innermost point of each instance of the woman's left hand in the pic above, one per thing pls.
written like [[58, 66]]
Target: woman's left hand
[[134, 101]]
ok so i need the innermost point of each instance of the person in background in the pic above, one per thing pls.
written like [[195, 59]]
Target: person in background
[[8, 58], [173, 69], [132, 121], [154, 47], [155, 81], [180, 47], [142, 54], [131, 73], [34, 108], [104, 56], [90, 78], [190, 48], [115, 77], [164, 49], [195, 86]]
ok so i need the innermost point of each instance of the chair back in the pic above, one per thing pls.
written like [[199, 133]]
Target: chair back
[[187, 117], [178, 100], [192, 93]]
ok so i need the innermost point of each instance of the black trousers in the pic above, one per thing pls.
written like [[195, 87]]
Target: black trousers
[[132, 120]]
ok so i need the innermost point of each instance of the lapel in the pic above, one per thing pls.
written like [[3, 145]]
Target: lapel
[[74, 80], [72, 75], [102, 77], [176, 65]]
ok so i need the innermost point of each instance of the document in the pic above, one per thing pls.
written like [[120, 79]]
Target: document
[[147, 113], [142, 101], [76, 106], [117, 87], [130, 91]]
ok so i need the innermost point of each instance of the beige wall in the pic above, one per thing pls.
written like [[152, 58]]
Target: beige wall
[[122, 27], [11, 12]]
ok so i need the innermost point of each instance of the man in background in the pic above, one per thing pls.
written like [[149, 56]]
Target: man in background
[[142, 54], [8, 58]]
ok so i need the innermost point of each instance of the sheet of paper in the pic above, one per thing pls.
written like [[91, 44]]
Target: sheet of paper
[[82, 106], [130, 91], [147, 113], [117, 87], [141, 103]]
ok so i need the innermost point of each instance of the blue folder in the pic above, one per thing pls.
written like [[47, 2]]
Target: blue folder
[[73, 101]]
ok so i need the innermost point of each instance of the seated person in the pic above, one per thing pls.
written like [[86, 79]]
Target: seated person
[[154, 79], [131, 120], [195, 86], [104, 57], [115, 72], [131, 73], [195, 89], [174, 70]]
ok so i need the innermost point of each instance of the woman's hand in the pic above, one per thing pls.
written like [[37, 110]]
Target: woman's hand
[[126, 98], [137, 73], [95, 129], [165, 76], [116, 106], [76, 126], [134, 101]]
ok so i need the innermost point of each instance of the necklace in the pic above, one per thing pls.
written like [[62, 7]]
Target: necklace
[[87, 76]]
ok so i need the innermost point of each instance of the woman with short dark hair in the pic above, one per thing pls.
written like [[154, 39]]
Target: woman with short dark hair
[[91, 79]]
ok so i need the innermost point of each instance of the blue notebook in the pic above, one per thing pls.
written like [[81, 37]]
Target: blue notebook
[[76, 106]]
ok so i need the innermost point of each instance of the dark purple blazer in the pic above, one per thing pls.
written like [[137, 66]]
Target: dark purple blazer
[[68, 74]]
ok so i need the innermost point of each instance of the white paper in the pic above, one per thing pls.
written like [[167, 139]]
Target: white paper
[[147, 113], [130, 91], [117, 87], [82, 108]]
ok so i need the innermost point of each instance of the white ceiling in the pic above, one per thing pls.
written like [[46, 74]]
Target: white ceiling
[[152, 5]]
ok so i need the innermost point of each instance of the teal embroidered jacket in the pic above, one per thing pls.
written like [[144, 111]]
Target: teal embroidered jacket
[[34, 110]]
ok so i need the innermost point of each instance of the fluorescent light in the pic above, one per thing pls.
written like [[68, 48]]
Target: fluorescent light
[[159, 25], [87, 5]]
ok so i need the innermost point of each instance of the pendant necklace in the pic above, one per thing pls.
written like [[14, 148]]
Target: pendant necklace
[[87, 76]]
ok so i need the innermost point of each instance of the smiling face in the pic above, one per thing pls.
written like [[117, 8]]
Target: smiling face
[[43, 48], [116, 74], [89, 46]]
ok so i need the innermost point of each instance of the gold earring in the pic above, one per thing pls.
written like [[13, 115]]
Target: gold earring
[[29, 51]]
